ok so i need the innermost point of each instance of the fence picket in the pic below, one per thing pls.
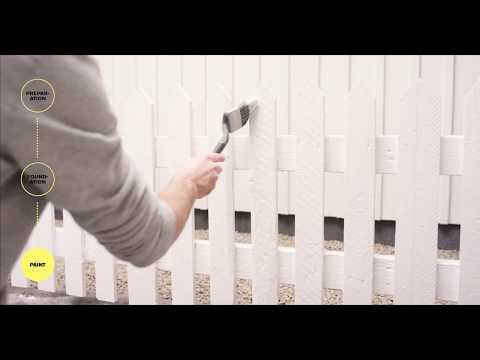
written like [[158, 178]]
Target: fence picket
[[399, 76], [469, 244], [136, 117], [40, 237], [221, 214], [335, 82], [246, 77], [438, 70], [180, 137], [74, 239], [43, 235], [105, 271], [466, 73], [303, 70], [419, 181], [264, 213], [360, 177], [309, 232], [169, 74], [17, 277], [369, 71], [274, 72]]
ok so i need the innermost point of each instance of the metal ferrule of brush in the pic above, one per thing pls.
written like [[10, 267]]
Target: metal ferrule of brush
[[233, 120]]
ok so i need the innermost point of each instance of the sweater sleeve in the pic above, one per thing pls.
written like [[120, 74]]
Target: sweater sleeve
[[95, 180]]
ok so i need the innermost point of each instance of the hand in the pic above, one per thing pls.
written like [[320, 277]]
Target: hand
[[196, 180], [200, 175]]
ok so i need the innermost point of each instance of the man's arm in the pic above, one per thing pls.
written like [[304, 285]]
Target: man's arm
[[95, 180]]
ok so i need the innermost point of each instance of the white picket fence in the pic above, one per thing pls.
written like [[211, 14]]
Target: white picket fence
[[362, 138]]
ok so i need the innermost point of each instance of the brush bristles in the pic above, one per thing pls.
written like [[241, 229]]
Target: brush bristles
[[244, 113]]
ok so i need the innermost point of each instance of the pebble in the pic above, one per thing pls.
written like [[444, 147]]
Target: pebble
[[243, 295]]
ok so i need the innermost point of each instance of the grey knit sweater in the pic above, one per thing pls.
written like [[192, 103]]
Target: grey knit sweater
[[94, 179]]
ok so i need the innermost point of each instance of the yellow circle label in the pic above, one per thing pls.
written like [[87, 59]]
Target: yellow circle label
[[38, 264]]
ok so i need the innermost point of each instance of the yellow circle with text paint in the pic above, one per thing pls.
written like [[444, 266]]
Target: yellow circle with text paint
[[38, 264]]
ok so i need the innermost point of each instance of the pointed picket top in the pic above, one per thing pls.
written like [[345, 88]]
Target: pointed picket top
[[360, 98], [266, 109], [179, 122], [220, 102], [422, 93]]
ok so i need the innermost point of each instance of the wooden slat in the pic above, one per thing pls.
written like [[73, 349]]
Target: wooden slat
[[438, 71], [124, 79], [105, 271], [221, 214], [335, 83], [73, 238], [399, 76], [180, 135], [43, 236], [274, 73], [219, 70], [309, 217], [303, 70], [264, 213], [243, 198], [470, 231], [368, 71], [136, 118], [246, 77], [146, 74], [360, 175], [105, 63], [17, 277], [194, 82], [419, 180], [169, 75], [467, 71]]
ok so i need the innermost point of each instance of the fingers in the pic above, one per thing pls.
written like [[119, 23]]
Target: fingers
[[210, 167], [216, 157]]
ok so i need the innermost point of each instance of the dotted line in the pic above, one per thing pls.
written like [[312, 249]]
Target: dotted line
[[36, 137], [36, 212]]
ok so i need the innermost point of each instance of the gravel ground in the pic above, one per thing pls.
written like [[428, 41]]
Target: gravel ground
[[202, 287]]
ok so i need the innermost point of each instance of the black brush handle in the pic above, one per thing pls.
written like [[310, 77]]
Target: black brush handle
[[219, 147]]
